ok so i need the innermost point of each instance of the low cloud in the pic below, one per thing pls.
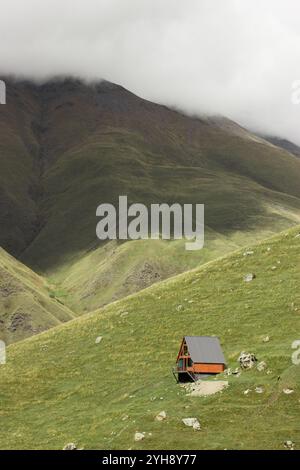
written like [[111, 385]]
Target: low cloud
[[236, 58]]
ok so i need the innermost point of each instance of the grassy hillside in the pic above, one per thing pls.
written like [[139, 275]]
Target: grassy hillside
[[116, 270], [62, 386], [27, 303]]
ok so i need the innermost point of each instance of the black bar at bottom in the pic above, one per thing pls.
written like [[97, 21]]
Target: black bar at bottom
[[135, 459]]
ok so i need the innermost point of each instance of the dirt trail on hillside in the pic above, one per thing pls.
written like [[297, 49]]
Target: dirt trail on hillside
[[203, 388]]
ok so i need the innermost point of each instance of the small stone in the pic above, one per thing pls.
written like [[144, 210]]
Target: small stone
[[289, 445], [161, 416], [125, 417], [139, 436], [70, 446], [98, 340], [266, 339], [261, 366], [192, 422], [288, 391], [179, 308], [247, 391], [248, 253], [249, 277], [197, 426], [259, 390]]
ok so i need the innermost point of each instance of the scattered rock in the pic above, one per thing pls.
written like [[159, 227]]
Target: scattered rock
[[98, 340], [248, 253], [249, 277], [192, 422], [124, 314], [261, 366], [143, 276], [247, 391], [125, 417], [70, 446], [161, 416], [289, 445], [266, 339], [288, 391], [20, 321], [179, 308], [247, 360], [259, 390], [139, 436]]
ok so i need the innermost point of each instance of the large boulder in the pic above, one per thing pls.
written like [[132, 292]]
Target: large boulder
[[247, 360]]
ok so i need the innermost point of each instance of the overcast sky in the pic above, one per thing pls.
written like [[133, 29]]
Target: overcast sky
[[233, 57]]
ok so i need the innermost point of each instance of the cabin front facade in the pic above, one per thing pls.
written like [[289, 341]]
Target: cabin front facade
[[199, 355]]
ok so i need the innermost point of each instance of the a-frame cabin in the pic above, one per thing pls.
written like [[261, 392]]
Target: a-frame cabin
[[199, 355]]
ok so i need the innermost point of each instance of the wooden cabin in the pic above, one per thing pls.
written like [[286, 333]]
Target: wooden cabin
[[199, 355]]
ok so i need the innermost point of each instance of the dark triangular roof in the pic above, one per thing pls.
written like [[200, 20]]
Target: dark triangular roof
[[205, 349]]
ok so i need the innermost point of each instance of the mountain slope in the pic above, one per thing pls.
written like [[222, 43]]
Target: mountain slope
[[67, 146], [284, 144], [27, 305], [63, 386]]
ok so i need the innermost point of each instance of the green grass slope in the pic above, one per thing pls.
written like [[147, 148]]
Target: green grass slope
[[61, 386], [27, 304], [116, 270]]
